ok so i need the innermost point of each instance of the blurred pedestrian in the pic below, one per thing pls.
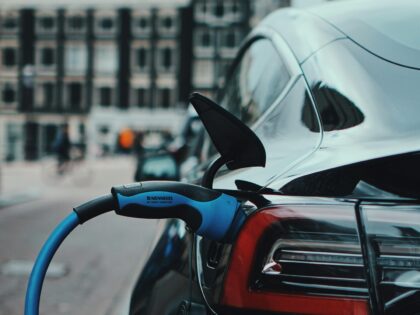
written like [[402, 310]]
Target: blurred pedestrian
[[62, 146], [139, 151], [126, 140]]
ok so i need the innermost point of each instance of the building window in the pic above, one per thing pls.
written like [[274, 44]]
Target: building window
[[46, 24], [219, 9], [47, 57], [141, 97], [143, 23], [166, 58], [106, 59], [204, 38], [165, 98], [167, 24], [9, 94], [9, 57], [105, 96], [75, 59], [203, 7], [235, 8], [141, 59], [9, 24], [76, 23], [228, 10], [140, 25], [230, 39], [46, 95], [200, 9], [75, 95], [105, 25]]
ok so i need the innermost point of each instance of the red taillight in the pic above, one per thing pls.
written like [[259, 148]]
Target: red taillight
[[241, 289]]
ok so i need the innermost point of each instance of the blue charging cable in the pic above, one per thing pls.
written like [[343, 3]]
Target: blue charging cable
[[207, 212], [33, 292]]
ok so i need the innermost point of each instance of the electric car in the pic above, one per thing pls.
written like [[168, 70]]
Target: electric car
[[333, 219]]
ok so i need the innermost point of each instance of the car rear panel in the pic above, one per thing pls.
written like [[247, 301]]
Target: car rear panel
[[392, 240], [324, 256]]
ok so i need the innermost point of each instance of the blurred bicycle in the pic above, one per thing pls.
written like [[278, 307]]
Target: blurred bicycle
[[76, 169]]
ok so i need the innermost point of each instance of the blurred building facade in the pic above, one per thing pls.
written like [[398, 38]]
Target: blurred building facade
[[97, 69], [100, 66]]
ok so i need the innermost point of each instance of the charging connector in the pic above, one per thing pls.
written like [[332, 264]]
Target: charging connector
[[207, 212]]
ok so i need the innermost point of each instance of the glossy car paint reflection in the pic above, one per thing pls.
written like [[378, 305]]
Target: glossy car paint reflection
[[165, 276], [365, 115], [292, 120]]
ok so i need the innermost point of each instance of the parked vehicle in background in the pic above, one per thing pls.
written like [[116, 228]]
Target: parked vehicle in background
[[175, 158], [332, 93]]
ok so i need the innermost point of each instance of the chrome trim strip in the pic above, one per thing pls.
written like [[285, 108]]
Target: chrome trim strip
[[317, 277], [317, 263], [319, 253], [399, 257], [320, 286]]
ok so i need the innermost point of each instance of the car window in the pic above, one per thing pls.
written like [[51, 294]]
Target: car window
[[292, 126], [256, 81], [289, 133]]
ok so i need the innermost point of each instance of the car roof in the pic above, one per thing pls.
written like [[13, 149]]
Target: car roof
[[388, 29], [304, 32]]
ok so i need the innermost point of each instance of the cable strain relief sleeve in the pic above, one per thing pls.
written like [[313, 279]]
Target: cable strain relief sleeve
[[235, 226], [95, 207]]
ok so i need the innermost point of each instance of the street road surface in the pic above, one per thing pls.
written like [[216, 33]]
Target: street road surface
[[102, 258]]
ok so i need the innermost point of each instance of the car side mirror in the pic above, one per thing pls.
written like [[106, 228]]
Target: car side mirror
[[160, 166]]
